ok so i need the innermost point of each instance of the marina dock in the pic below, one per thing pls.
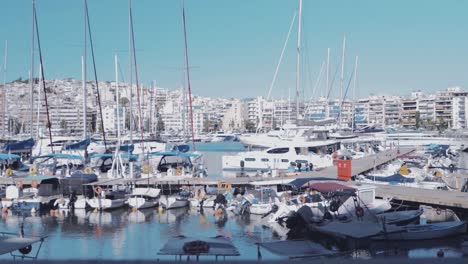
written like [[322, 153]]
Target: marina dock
[[433, 197]]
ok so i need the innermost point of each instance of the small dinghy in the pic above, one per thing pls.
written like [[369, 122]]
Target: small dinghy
[[187, 246], [296, 248], [425, 231]]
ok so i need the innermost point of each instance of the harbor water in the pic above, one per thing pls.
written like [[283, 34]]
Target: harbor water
[[124, 234]]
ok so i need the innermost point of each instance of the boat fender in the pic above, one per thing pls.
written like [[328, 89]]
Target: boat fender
[[359, 212], [19, 184], [330, 150], [438, 211], [98, 190], [26, 250], [334, 205], [34, 184], [242, 164], [32, 170], [9, 172]]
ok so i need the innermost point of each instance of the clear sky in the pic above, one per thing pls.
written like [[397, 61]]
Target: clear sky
[[234, 45]]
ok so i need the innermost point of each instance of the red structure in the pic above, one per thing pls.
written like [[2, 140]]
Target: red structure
[[344, 168]]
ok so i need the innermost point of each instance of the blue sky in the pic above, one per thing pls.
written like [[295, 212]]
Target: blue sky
[[234, 45]]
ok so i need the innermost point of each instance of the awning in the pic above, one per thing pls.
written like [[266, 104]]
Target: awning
[[4, 156], [58, 155]]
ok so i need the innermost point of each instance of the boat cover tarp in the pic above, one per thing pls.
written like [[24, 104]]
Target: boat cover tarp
[[325, 187], [353, 229], [296, 248], [11, 243], [151, 192], [111, 155], [396, 178], [218, 246], [173, 153], [5, 156], [58, 156], [19, 146], [82, 145], [127, 148], [76, 183]]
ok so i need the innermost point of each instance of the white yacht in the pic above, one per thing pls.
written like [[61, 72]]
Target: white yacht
[[277, 158], [144, 198], [420, 139], [43, 145], [107, 201], [290, 134], [145, 146]]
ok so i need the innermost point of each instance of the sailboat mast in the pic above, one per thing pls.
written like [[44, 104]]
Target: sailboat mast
[[354, 91], [39, 101], [298, 59], [117, 95], [140, 123], [188, 76], [5, 91], [49, 124], [342, 75], [130, 69], [98, 94], [31, 73], [327, 109], [85, 123]]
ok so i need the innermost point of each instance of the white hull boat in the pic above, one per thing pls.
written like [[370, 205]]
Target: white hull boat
[[105, 204], [172, 202], [144, 198]]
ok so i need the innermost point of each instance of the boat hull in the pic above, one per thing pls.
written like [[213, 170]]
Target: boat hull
[[105, 204]]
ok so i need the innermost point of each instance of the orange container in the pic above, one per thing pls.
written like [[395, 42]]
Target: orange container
[[344, 170]]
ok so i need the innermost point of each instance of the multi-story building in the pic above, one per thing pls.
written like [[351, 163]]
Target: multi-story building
[[451, 107]]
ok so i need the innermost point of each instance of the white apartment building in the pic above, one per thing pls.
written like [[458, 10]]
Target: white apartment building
[[234, 117], [451, 105]]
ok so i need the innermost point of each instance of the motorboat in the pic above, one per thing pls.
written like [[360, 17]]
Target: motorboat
[[331, 197], [56, 164], [257, 202], [144, 198], [424, 231], [422, 139], [107, 200], [173, 164], [221, 136], [291, 134], [174, 201], [147, 145], [277, 158], [33, 193], [76, 191], [218, 246]]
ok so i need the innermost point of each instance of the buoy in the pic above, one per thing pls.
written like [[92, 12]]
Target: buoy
[[134, 209], [160, 209], [95, 210], [33, 210]]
